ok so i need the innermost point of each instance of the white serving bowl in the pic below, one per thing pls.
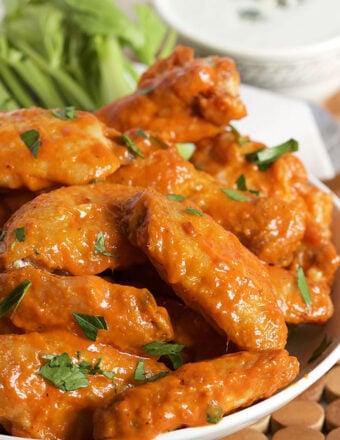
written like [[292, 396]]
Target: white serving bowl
[[302, 345], [293, 50]]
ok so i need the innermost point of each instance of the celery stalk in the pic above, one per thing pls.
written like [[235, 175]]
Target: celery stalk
[[78, 96]]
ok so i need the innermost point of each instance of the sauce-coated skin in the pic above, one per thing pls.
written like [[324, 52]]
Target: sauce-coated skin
[[73, 151], [62, 228], [271, 228], [30, 406], [208, 268], [291, 302], [180, 98], [225, 384], [286, 179], [132, 315]]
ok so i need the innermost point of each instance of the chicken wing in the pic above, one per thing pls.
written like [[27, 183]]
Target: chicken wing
[[70, 230], [208, 268], [132, 315], [225, 384], [181, 98], [39, 149], [271, 228], [32, 406]]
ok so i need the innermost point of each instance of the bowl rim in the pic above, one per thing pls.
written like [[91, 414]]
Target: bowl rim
[[270, 55]]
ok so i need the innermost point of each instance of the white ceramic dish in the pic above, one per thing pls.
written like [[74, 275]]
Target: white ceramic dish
[[293, 49], [302, 345]]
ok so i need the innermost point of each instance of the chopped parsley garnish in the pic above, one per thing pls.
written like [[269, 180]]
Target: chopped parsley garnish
[[152, 138], [99, 246], [241, 140], [15, 297], [173, 351], [303, 287], [65, 113], [67, 375], [185, 149], [176, 197], [194, 211], [20, 234], [31, 139], [90, 324], [242, 185], [214, 412], [132, 147], [63, 373], [234, 195], [141, 376], [264, 157], [320, 349]]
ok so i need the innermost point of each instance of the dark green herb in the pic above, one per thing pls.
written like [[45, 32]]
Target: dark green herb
[[141, 376], [241, 140], [65, 113], [325, 343], [14, 298], [242, 185], [234, 195], [90, 324], [194, 211], [20, 234], [132, 147], [152, 138], [63, 373], [303, 287], [264, 157], [173, 351], [99, 246], [176, 197], [31, 139]]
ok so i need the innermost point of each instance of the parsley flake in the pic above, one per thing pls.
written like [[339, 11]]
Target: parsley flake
[[141, 376], [99, 246], [20, 234], [90, 324], [152, 138], [236, 196], [241, 140], [67, 375], [176, 197], [14, 298], [65, 113], [31, 139], [194, 211], [303, 287], [132, 147], [264, 157], [63, 373], [242, 185], [173, 351]]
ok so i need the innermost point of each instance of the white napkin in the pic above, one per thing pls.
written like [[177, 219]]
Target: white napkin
[[273, 119]]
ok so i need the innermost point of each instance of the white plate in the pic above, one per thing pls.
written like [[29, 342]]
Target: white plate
[[302, 345]]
